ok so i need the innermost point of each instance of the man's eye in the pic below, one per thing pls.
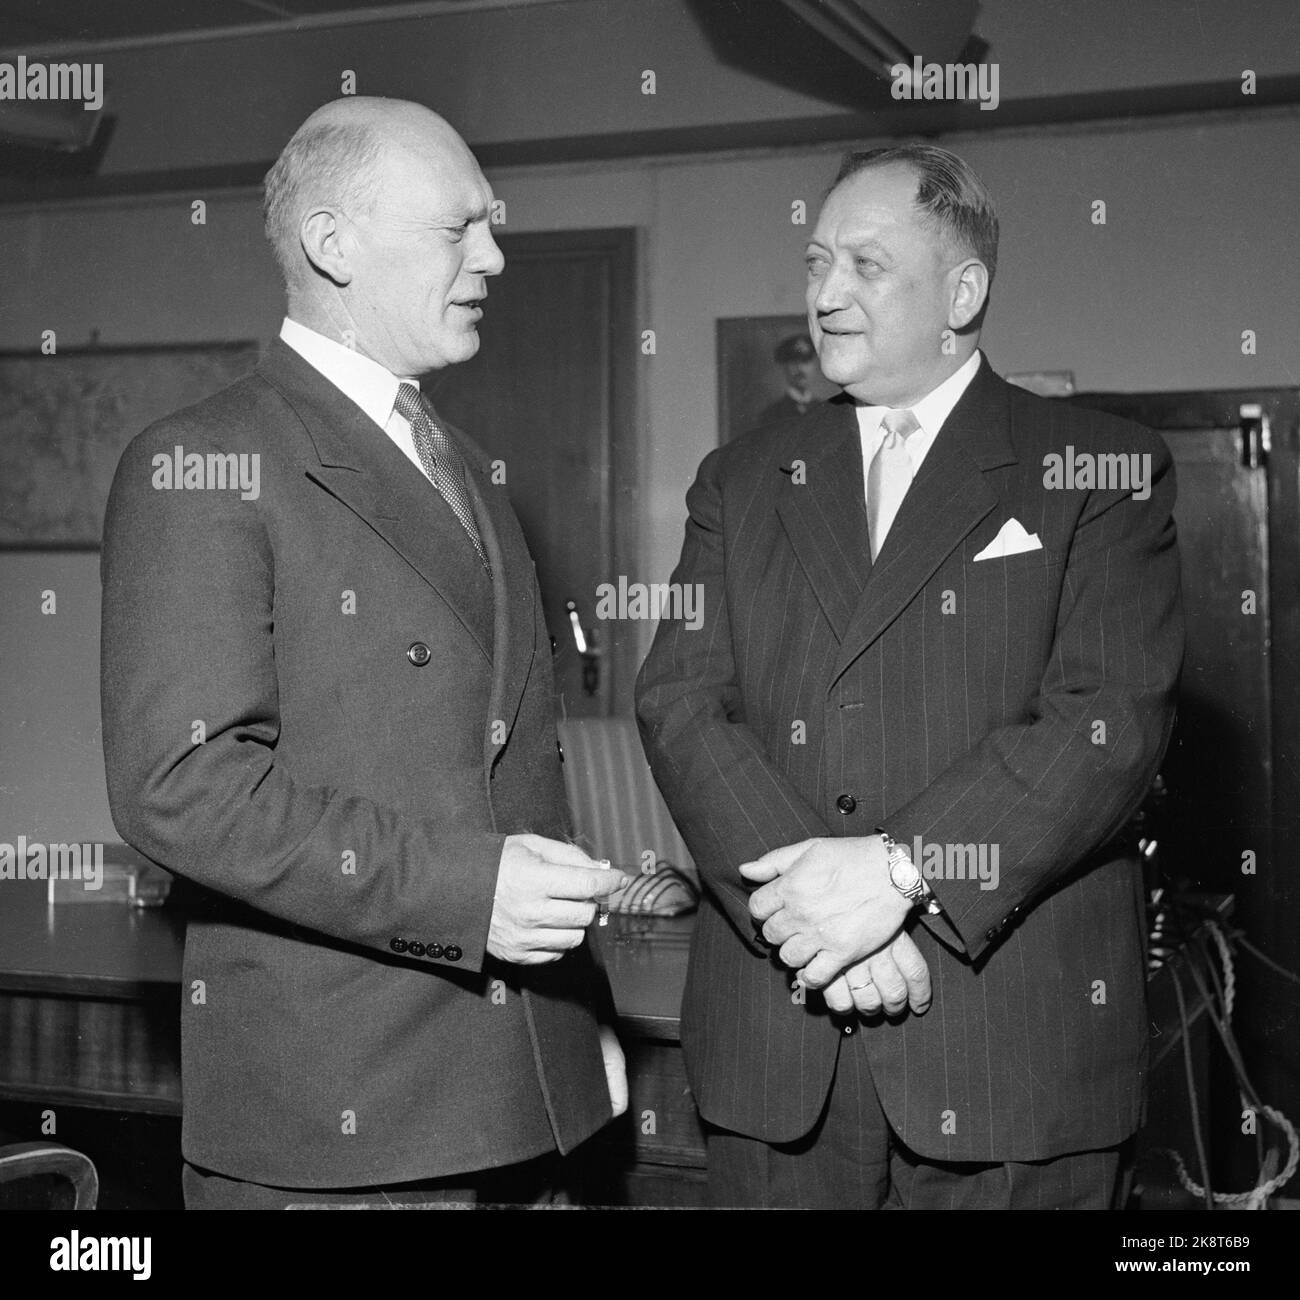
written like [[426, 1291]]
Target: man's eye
[[867, 265], [457, 233], [816, 265]]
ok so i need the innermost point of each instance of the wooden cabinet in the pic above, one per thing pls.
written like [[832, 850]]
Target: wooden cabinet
[[654, 1154]]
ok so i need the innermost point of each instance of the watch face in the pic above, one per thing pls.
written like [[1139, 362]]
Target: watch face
[[903, 872]]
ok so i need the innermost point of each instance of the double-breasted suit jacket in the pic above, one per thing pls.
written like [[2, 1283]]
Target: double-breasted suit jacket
[[319, 707]]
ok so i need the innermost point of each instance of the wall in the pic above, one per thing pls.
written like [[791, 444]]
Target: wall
[[51, 764], [1199, 245]]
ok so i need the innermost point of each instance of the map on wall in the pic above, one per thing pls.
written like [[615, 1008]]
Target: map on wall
[[66, 419]]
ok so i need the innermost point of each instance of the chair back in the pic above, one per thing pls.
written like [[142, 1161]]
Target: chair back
[[618, 812], [43, 1163]]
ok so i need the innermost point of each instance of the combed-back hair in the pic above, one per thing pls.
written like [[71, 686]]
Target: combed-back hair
[[948, 192]]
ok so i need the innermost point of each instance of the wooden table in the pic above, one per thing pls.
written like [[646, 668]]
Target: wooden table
[[90, 1016], [89, 1002]]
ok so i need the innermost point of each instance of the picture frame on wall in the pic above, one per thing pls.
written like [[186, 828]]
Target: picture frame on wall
[[66, 418], [753, 385]]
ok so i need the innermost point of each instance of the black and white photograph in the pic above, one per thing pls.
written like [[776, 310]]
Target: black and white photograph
[[632, 606]]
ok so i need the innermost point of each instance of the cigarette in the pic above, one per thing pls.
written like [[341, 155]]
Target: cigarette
[[602, 906]]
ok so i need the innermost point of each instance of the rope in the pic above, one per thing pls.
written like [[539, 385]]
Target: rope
[[1257, 1197]]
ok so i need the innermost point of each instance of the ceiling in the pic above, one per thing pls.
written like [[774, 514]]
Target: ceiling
[[43, 23], [203, 93]]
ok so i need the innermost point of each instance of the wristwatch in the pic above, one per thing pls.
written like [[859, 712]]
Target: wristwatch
[[905, 875]]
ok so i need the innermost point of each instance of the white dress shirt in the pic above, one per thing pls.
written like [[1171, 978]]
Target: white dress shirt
[[359, 378], [931, 412]]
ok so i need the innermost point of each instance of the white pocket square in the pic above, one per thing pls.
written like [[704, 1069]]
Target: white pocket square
[[1011, 540]]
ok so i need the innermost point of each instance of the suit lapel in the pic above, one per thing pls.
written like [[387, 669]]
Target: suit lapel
[[947, 499], [822, 508], [514, 583], [360, 466]]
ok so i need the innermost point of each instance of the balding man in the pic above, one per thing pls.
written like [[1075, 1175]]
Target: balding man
[[327, 700]]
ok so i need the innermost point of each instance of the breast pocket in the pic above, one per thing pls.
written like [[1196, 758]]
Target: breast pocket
[[1010, 604]]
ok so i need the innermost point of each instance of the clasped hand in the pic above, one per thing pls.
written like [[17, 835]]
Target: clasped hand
[[829, 907]]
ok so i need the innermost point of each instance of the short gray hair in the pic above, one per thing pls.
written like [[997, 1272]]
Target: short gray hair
[[949, 193], [323, 163]]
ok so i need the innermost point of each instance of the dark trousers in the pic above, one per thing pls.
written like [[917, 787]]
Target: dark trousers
[[532, 1182], [852, 1159]]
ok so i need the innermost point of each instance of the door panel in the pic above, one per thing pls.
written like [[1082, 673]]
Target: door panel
[[1220, 764], [1219, 768], [549, 397]]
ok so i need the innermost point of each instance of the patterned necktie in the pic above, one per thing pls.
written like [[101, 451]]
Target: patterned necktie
[[442, 461], [890, 476]]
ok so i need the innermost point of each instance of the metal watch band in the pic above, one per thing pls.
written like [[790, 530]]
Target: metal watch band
[[920, 895]]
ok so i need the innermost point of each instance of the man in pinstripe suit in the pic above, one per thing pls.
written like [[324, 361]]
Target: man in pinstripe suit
[[946, 610]]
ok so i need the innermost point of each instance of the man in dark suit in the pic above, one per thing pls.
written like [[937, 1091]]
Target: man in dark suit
[[935, 676], [327, 699]]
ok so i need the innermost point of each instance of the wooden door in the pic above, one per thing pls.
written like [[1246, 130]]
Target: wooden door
[[1233, 768], [551, 395], [1219, 767]]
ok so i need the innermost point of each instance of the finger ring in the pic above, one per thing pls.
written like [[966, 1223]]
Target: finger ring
[[857, 988]]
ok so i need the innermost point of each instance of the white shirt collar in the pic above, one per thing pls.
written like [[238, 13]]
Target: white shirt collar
[[931, 412], [366, 382]]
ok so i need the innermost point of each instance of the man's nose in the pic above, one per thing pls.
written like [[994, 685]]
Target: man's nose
[[487, 257], [832, 292]]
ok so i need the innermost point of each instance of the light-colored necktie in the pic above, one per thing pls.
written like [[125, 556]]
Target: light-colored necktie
[[442, 461], [890, 476]]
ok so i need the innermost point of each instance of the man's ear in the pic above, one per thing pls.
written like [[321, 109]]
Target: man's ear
[[326, 245], [970, 293]]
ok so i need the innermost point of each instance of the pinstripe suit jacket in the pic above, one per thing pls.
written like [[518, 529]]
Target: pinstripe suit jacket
[[1022, 703]]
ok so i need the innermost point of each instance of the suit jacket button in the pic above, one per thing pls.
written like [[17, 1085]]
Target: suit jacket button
[[419, 653], [846, 803], [993, 933], [433, 950], [397, 945], [415, 948], [452, 953], [847, 1029]]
